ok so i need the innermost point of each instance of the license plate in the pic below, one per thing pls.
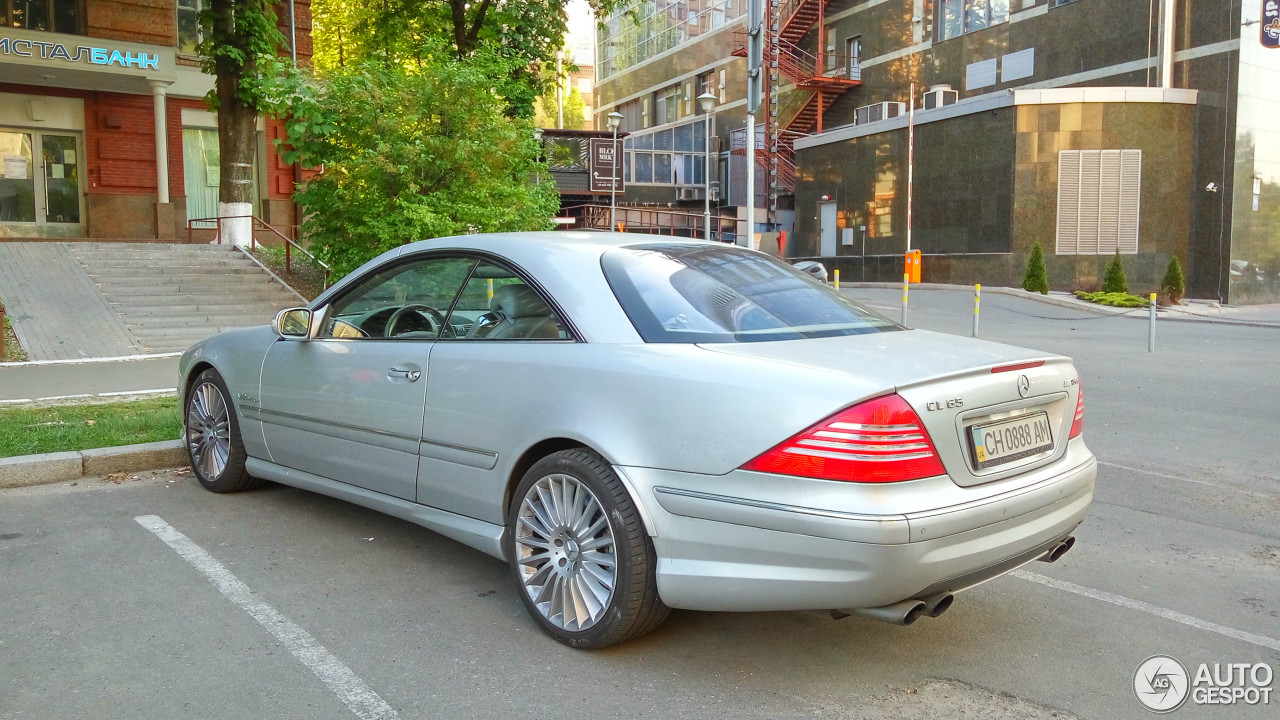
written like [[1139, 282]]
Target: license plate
[[1005, 441]]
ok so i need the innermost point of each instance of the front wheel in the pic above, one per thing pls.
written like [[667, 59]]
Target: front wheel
[[585, 564], [212, 435]]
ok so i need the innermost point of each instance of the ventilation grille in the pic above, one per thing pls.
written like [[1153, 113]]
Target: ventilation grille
[[1099, 193]]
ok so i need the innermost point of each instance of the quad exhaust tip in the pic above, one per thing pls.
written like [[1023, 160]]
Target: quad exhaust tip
[[905, 612], [1057, 551]]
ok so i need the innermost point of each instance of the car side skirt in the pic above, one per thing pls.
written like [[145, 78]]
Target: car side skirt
[[483, 536]]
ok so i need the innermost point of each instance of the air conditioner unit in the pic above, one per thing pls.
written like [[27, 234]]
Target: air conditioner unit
[[878, 111], [940, 95], [689, 193]]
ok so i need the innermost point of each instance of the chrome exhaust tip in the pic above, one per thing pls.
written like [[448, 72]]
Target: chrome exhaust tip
[[1058, 550], [899, 613], [935, 605]]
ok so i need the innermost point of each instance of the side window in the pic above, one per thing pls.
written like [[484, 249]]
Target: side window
[[496, 304], [407, 301]]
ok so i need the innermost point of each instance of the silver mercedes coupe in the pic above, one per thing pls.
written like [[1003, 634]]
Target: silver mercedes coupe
[[637, 423]]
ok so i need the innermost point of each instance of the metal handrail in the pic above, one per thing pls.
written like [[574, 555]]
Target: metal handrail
[[650, 220], [253, 240]]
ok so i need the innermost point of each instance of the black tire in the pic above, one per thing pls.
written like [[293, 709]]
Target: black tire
[[632, 607], [211, 432]]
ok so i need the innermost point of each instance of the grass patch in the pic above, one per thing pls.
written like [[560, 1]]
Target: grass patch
[[306, 276], [63, 428], [1114, 299], [13, 352]]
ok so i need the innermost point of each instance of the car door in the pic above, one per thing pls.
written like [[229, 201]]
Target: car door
[[486, 396], [347, 404]]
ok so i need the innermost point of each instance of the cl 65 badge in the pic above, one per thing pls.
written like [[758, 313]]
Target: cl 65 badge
[[953, 403]]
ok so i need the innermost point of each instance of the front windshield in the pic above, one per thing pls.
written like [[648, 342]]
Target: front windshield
[[676, 293]]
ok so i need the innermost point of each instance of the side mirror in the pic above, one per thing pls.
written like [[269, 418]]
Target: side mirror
[[293, 324]]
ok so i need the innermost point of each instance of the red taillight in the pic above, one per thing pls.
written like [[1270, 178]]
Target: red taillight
[[881, 440], [1077, 425]]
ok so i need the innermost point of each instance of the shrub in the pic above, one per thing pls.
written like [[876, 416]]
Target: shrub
[[1115, 299], [1036, 278], [1173, 285], [1114, 280]]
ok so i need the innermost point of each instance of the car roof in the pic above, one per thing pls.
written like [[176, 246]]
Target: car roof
[[575, 239]]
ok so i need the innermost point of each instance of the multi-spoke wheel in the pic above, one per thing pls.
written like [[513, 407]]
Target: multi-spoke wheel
[[581, 554], [212, 435]]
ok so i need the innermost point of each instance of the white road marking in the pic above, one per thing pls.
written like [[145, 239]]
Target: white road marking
[[156, 391], [15, 401], [351, 690], [1167, 614], [66, 397], [1182, 479], [84, 361]]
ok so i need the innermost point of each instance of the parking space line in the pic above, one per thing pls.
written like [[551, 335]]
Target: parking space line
[[1167, 614], [351, 690]]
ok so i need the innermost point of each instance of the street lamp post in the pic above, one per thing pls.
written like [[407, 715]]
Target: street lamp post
[[615, 119], [707, 101]]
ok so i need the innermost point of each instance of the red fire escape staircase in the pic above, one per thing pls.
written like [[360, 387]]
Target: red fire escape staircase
[[819, 81]]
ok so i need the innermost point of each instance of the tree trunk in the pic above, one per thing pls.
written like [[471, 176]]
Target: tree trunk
[[237, 134]]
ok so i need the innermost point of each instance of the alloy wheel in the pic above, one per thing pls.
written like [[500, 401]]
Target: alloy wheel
[[209, 430], [565, 552]]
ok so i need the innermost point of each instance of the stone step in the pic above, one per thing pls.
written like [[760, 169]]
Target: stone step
[[211, 282], [255, 290], [146, 310], [156, 322], [170, 262], [178, 271]]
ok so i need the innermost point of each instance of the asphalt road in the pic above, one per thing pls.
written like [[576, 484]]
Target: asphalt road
[[1180, 556], [24, 382]]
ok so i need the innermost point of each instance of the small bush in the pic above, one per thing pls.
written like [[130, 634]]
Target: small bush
[[1114, 280], [1173, 285], [1036, 278], [1113, 299]]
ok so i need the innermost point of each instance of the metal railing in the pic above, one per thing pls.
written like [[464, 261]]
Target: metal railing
[[675, 223], [256, 224]]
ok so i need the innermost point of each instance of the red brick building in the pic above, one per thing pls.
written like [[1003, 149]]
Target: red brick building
[[103, 129]]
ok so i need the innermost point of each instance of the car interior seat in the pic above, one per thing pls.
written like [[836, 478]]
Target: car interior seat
[[517, 314]]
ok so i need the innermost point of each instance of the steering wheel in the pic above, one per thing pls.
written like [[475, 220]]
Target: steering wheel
[[412, 307]]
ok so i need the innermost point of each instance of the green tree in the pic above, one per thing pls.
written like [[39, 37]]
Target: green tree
[[406, 32], [1173, 285], [547, 115], [1114, 280], [241, 49], [1036, 279], [409, 155]]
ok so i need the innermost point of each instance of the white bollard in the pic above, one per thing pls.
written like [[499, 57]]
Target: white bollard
[[977, 300], [1151, 326], [906, 281]]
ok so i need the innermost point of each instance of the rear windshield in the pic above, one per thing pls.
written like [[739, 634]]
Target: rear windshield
[[721, 293]]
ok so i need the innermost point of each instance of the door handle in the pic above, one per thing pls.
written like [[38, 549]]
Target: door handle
[[410, 375]]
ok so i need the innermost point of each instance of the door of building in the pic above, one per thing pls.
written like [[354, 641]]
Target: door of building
[[827, 215], [40, 184]]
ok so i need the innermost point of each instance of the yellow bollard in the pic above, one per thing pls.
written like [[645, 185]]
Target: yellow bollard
[[837, 279], [977, 300]]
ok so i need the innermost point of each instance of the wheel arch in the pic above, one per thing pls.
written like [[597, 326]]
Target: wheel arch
[[548, 446]]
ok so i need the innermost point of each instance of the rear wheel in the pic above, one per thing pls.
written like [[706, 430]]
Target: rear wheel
[[585, 564], [212, 435]]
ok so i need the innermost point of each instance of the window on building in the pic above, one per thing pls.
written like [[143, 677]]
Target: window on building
[[189, 25], [640, 29], [958, 17], [1098, 201], [669, 156], [63, 16], [666, 105]]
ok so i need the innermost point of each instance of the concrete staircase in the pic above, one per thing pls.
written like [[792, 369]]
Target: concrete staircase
[[171, 296]]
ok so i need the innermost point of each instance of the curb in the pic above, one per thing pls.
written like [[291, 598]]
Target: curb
[[25, 470]]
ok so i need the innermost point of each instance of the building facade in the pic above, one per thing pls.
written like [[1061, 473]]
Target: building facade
[[104, 132], [1089, 126]]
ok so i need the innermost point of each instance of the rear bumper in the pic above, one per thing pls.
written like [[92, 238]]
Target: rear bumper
[[749, 542]]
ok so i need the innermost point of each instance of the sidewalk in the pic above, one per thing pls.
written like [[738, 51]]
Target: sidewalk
[[1190, 311]]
